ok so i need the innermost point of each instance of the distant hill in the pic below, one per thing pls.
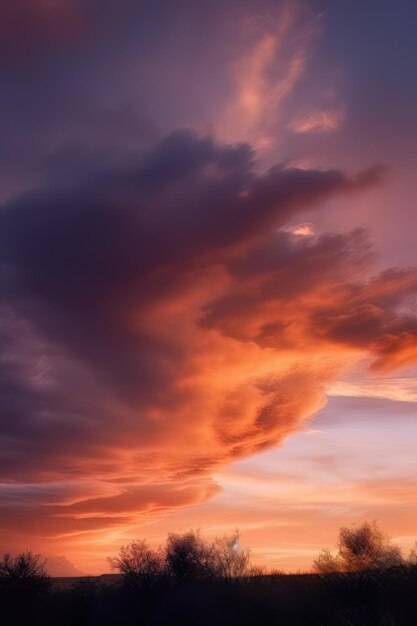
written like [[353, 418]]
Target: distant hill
[[64, 582]]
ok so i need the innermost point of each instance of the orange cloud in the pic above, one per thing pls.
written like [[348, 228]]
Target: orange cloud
[[398, 389], [396, 351], [158, 324]]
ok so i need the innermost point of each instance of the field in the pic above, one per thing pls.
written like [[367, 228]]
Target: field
[[364, 599]]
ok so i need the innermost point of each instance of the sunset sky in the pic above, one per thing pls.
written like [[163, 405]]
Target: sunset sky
[[208, 280]]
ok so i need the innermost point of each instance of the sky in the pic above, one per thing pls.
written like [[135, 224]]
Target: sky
[[208, 276]]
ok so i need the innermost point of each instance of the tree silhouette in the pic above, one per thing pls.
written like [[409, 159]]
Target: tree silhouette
[[358, 549], [138, 562], [24, 574], [231, 561], [189, 556]]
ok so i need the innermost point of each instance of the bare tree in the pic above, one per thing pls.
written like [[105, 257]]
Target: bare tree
[[230, 559], [363, 548], [138, 562], [25, 573]]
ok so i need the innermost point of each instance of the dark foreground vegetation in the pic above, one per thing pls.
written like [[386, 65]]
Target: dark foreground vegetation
[[192, 582]]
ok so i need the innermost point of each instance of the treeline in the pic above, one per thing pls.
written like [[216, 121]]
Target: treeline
[[191, 581], [185, 555]]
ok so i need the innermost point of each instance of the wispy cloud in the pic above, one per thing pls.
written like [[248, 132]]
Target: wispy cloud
[[267, 73], [397, 389], [318, 121]]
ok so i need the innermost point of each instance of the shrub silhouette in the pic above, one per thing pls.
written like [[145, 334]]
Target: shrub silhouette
[[359, 549]]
